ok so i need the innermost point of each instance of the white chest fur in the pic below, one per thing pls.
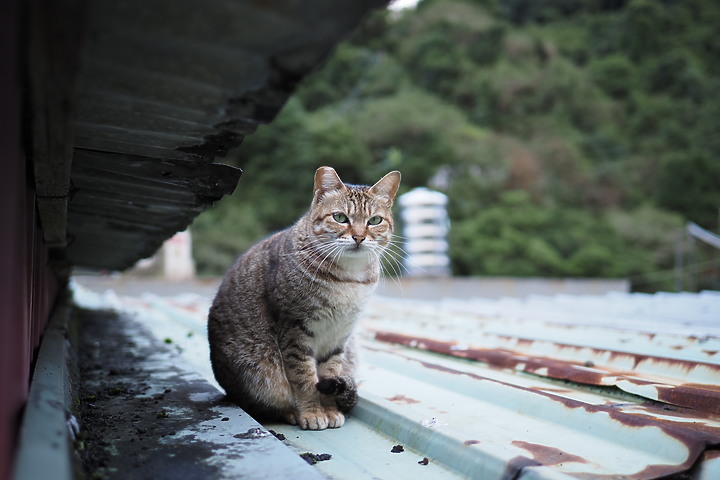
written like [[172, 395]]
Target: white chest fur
[[333, 326]]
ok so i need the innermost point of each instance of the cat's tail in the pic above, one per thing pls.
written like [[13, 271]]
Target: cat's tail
[[342, 388]]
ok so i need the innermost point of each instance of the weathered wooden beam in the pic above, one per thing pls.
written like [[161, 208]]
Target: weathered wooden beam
[[55, 30]]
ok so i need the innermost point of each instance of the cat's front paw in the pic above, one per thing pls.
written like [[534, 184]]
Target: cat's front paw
[[312, 420], [335, 419], [319, 419]]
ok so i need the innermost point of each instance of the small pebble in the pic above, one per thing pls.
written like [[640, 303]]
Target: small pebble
[[279, 436], [313, 458]]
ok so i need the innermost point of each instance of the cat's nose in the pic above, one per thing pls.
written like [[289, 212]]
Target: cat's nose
[[358, 238]]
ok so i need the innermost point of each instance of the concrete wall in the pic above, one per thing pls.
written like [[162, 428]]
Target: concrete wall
[[495, 287]]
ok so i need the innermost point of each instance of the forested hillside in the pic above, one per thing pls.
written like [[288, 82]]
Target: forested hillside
[[573, 137]]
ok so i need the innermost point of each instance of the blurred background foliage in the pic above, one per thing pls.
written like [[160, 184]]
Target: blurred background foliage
[[573, 137]]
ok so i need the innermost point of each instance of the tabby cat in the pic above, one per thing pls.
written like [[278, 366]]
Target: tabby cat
[[280, 327]]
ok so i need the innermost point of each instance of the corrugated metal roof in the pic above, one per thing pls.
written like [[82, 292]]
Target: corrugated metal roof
[[130, 103], [613, 386], [659, 347]]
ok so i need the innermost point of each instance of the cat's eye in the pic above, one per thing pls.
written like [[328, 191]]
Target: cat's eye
[[375, 220], [340, 217]]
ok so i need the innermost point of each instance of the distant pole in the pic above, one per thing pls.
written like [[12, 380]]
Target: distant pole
[[692, 264], [695, 233], [679, 236]]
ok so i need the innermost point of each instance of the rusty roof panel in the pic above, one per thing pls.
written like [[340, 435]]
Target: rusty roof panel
[[613, 386], [498, 424], [511, 388], [673, 359]]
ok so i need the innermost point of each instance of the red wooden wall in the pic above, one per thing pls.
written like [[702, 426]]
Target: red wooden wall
[[27, 287]]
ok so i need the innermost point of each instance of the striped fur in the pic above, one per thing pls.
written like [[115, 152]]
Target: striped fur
[[281, 324]]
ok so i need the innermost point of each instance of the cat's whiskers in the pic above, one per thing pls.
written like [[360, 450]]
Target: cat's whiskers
[[317, 256], [309, 255], [396, 267], [407, 259], [332, 254], [379, 258], [397, 257], [315, 253], [320, 241], [311, 246]]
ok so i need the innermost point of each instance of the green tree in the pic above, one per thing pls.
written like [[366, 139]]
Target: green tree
[[602, 113], [518, 237], [690, 185]]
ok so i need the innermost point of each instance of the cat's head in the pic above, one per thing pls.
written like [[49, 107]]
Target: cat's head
[[356, 219]]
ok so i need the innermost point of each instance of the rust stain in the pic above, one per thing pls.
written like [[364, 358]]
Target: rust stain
[[705, 397], [697, 435], [548, 455], [447, 347], [680, 471], [699, 396], [471, 442], [403, 399]]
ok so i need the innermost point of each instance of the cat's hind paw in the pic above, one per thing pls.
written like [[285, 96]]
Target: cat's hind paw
[[291, 418]]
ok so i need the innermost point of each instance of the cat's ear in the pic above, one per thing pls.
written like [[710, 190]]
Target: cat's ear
[[327, 180], [387, 186]]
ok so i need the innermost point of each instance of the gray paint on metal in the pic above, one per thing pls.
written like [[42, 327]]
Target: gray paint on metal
[[47, 427]]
